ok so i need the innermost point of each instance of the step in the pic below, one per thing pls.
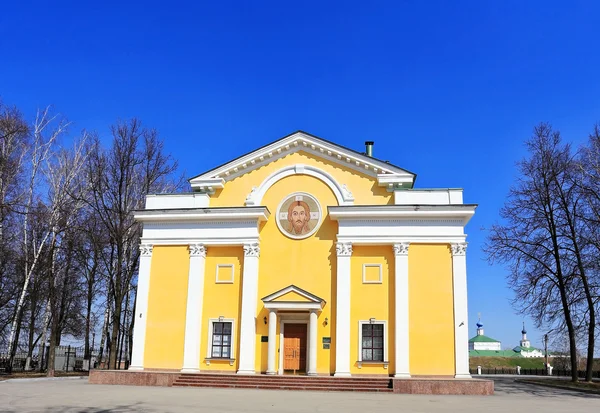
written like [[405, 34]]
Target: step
[[283, 383], [300, 379], [278, 387]]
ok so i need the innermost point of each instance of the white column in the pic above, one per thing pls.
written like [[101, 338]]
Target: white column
[[342, 321], [461, 324], [272, 342], [312, 353], [193, 314], [401, 327], [249, 301], [141, 309]]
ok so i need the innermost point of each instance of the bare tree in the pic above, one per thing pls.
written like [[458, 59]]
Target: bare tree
[[46, 130], [120, 178], [542, 273], [64, 173], [14, 144]]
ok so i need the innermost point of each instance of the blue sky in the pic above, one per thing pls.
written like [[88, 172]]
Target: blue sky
[[446, 89]]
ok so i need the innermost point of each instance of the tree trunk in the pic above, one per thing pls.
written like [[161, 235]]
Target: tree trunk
[[116, 318]]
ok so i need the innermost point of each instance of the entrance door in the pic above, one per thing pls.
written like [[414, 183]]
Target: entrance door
[[294, 346]]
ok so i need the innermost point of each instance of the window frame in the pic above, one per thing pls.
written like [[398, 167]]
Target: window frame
[[364, 273], [211, 322], [385, 361], [231, 266]]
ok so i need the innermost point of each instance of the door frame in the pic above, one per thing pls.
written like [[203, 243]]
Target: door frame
[[292, 319]]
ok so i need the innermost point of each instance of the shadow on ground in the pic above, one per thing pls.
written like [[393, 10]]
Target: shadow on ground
[[508, 386], [68, 409]]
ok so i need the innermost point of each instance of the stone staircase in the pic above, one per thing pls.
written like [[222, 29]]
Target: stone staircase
[[284, 382]]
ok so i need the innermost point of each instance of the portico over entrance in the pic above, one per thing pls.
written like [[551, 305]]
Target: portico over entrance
[[295, 308]]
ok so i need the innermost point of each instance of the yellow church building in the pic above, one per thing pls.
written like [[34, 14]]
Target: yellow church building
[[304, 257]]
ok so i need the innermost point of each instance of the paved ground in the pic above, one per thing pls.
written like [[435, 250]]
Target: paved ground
[[53, 396]]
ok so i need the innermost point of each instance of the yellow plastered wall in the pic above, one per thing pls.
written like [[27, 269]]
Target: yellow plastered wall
[[167, 298], [372, 301], [221, 300], [363, 187], [308, 264], [431, 310]]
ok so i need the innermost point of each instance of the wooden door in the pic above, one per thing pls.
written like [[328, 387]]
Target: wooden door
[[294, 347]]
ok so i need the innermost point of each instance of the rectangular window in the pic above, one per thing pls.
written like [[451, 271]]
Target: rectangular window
[[221, 340], [372, 342]]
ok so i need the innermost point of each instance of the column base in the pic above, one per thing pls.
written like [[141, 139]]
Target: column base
[[463, 376], [342, 374], [190, 370], [311, 373], [402, 375], [270, 373], [246, 372], [135, 368]]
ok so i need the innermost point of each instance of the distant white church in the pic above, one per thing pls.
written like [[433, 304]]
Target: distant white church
[[524, 348], [482, 346]]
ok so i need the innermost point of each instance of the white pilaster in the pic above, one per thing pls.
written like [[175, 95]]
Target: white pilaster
[[461, 327], [193, 314], [401, 328], [249, 301], [342, 327], [272, 342], [141, 309], [312, 353]]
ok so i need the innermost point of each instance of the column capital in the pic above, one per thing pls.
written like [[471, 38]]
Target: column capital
[[197, 250], [459, 248], [252, 250], [401, 248], [146, 250], [343, 249]]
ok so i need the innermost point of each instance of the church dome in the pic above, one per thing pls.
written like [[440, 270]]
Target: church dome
[[479, 325]]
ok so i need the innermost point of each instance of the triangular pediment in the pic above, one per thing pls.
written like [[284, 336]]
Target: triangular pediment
[[292, 294], [383, 172]]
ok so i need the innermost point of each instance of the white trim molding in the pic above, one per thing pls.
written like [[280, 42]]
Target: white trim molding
[[341, 192], [364, 273], [385, 173], [342, 324], [248, 310], [385, 362], [230, 214], [141, 308], [461, 317], [193, 316], [231, 269], [401, 319], [209, 357]]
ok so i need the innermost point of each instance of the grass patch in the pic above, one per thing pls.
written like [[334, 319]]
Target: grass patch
[[593, 387], [506, 362]]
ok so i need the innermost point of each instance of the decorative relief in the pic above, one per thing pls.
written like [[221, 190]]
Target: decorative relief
[[459, 248], [250, 197], [343, 249], [146, 250], [346, 193], [251, 250], [401, 248], [197, 250], [298, 215]]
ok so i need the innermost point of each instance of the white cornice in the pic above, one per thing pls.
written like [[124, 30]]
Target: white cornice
[[299, 141], [386, 212], [203, 214]]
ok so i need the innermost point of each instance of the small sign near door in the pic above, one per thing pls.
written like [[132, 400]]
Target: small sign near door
[[264, 339]]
